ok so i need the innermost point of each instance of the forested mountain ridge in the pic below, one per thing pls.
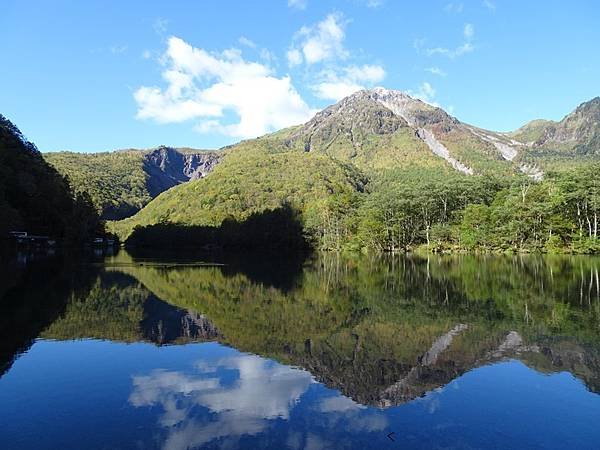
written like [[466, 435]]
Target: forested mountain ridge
[[575, 137], [35, 198], [120, 183], [382, 170]]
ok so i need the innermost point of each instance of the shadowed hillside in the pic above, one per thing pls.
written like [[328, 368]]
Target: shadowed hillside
[[35, 198]]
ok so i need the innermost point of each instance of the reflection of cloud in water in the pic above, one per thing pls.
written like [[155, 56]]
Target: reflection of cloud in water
[[358, 416], [264, 390], [339, 404], [165, 388]]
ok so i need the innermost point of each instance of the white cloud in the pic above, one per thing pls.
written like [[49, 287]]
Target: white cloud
[[213, 87], [336, 90], [489, 5], [374, 3], [436, 71], [468, 31], [160, 25], [366, 73], [339, 403], [464, 48], [267, 55], [454, 7], [247, 42], [426, 92], [294, 57], [320, 42], [146, 54], [337, 85], [118, 49], [467, 47], [297, 4]]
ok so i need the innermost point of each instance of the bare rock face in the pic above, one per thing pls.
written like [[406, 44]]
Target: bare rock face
[[165, 324], [167, 167], [415, 112], [351, 126], [352, 118]]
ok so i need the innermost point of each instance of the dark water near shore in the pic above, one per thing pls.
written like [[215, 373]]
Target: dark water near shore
[[385, 353]]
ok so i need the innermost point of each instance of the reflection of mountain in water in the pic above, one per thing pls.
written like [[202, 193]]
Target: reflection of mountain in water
[[382, 331], [77, 303], [118, 308], [387, 331], [163, 323]]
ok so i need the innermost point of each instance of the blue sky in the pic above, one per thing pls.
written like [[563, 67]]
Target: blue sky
[[92, 76]]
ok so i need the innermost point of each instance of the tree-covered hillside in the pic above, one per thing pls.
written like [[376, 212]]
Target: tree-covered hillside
[[249, 182], [121, 183], [573, 141], [35, 198], [380, 170]]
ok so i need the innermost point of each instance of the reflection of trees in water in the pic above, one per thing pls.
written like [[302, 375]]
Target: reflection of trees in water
[[32, 298], [118, 307], [363, 324], [378, 328]]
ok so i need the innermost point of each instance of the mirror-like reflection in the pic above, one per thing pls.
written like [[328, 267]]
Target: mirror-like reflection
[[334, 352]]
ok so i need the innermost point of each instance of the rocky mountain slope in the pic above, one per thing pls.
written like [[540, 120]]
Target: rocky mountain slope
[[378, 136], [122, 182], [381, 128], [576, 136]]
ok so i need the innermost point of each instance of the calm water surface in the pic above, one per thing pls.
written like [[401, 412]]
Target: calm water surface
[[385, 353]]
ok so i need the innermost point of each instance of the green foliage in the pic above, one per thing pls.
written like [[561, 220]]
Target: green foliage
[[115, 181], [250, 182], [404, 207], [363, 322], [558, 214], [35, 198]]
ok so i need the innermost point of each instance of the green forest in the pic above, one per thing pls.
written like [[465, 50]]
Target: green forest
[[356, 177], [338, 207], [359, 177], [36, 198], [115, 181]]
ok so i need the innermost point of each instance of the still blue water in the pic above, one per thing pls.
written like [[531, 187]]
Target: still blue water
[[346, 359]]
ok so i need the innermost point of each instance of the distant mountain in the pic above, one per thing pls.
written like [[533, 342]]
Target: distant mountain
[[34, 197], [382, 139], [122, 182], [380, 129], [576, 136]]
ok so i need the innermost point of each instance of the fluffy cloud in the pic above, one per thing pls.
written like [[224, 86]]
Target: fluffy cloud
[[337, 85], [294, 57], [320, 42], [321, 48], [213, 88], [466, 47]]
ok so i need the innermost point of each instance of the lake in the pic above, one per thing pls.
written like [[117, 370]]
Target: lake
[[389, 352]]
